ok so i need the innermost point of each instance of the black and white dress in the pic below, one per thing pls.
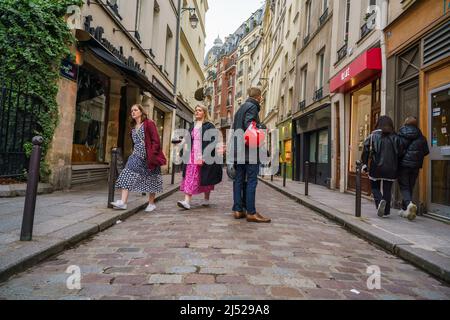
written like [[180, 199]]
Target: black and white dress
[[137, 177]]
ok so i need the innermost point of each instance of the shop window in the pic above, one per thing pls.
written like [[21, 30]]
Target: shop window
[[361, 110], [159, 117], [89, 129]]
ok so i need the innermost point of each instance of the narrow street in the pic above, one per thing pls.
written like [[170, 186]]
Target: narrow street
[[206, 254]]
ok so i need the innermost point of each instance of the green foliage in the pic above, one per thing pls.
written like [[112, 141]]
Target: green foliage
[[34, 38]]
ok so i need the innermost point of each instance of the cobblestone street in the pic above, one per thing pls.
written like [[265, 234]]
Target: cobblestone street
[[206, 254]]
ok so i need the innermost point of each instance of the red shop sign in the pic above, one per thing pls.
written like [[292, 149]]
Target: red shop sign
[[362, 68]]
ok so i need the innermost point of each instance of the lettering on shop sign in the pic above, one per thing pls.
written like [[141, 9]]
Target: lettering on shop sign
[[345, 74], [69, 70], [98, 32]]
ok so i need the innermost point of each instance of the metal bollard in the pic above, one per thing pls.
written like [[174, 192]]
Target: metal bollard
[[26, 233], [284, 174], [271, 178], [358, 189], [172, 181], [112, 176], [306, 178]]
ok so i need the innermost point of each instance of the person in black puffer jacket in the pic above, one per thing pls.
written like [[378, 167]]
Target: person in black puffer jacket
[[382, 150], [416, 149]]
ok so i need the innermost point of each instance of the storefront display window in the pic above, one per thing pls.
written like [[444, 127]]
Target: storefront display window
[[361, 110], [158, 117], [323, 147], [89, 129]]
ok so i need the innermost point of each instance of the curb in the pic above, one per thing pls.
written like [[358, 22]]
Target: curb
[[432, 263], [57, 242]]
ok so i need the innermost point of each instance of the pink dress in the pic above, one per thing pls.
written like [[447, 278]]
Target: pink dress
[[191, 183]]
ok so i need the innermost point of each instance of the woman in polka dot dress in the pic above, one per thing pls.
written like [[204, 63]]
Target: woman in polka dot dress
[[142, 172]]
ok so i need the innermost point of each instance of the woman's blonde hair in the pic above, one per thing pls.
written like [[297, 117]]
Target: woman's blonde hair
[[205, 111], [143, 117]]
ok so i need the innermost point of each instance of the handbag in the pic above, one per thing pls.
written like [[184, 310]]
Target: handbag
[[254, 137]]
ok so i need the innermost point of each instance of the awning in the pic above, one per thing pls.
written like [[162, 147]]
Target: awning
[[362, 68], [140, 79]]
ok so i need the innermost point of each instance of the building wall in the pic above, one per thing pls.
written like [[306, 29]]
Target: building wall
[[192, 49]]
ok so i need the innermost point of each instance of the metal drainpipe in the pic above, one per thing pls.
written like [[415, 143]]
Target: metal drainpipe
[[384, 19]]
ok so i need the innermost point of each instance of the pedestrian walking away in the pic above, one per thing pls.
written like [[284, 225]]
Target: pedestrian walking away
[[247, 114], [380, 157], [142, 173], [200, 176], [416, 149]]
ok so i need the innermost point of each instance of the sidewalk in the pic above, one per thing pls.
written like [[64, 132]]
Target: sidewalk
[[424, 242], [62, 219]]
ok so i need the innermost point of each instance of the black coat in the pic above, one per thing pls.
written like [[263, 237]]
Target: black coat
[[415, 146], [210, 174], [247, 113], [383, 150]]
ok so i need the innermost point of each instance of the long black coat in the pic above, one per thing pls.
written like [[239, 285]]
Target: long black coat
[[383, 150], [415, 146], [210, 174]]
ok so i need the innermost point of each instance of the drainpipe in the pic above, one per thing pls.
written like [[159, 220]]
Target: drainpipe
[[384, 20]]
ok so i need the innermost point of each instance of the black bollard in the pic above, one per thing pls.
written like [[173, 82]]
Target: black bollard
[[306, 178], [358, 189], [172, 181], [112, 176], [32, 184], [284, 174]]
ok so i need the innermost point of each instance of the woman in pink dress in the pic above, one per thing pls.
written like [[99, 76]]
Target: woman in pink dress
[[198, 176]]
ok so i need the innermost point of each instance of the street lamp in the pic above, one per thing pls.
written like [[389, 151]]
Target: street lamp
[[193, 19]]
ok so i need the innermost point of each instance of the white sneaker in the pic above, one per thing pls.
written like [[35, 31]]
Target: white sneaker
[[119, 205], [184, 205], [150, 208], [205, 203], [402, 213], [381, 208], [411, 211]]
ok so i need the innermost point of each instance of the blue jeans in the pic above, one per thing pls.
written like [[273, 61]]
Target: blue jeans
[[251, 171]]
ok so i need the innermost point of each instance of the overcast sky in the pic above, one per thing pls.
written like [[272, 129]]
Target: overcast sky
[[225, 16]]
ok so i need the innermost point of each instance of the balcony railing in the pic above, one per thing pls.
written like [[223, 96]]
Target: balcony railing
[[324, 17], [306, 40], [302, 105], [342, 52], [365, 30], [318, 94]]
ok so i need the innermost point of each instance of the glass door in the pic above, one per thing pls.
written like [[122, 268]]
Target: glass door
[[439, 177]]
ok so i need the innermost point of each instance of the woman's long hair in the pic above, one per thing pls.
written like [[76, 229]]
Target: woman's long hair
[[143, 117], [385, 124]]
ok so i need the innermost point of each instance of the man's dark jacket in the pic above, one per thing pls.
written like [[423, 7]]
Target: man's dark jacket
[[247, 113], [415, 146]]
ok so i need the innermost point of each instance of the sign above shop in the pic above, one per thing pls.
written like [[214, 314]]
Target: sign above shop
[[98, 32], [362, 68], [69, 70]]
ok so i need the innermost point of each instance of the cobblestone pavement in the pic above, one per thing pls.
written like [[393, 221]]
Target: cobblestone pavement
[[206, 254]]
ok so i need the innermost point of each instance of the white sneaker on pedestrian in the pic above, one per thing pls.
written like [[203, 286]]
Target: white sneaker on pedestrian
[[119, 205], [411, 211], [184, 205], [381, 208], [150, 208], [205, 203], [402, 213]]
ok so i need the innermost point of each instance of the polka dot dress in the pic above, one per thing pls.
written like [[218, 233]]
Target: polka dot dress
[[137, 177]]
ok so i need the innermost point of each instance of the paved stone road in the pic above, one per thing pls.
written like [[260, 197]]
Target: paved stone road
[[205, 254]]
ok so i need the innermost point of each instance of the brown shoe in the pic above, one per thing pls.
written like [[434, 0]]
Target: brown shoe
[[257, 218], [239, 215]]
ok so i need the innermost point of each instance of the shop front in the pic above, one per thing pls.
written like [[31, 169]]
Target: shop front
[[361, 85], [418, 84], [313, 141], [285, 147]]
